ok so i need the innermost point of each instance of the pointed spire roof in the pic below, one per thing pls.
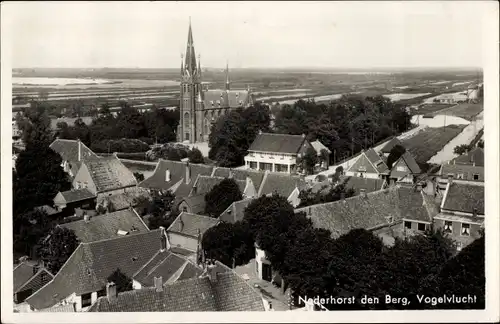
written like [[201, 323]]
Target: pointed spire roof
[[182, 64], [227, 76], [199, 65], [190, 63]]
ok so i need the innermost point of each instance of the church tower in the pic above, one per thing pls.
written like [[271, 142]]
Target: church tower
[[190, 94]]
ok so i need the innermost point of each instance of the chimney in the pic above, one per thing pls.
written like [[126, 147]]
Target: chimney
[[198, 248], [260, 131], [474, 212], [362, 192], [79, 149], [211, 271], [158, 284], [188, 173], [167, 175], [342, 196], [86, 217], [164, 243], [111, 291], [181, 222], [230, 174]]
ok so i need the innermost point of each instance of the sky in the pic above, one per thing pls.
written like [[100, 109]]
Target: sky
[[246, 34]]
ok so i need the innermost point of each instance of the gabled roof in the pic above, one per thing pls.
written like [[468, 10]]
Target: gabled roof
[[468, 171], [68, 150], [68, 308], [124, 200], [218, 98], [410, 162], [189, 224], [106, 226], [318, 147], [228, 292], [237, 174], [473, 157], [109, 173], [281, 183], [464, 197], [75, 195], [196, 203], [376, 160], [358, 183], [322, 187], [368, 212], [204, 184], [23, 272], [235, 212], [88, 268], [390, 145], [167, 265], [277, 143]]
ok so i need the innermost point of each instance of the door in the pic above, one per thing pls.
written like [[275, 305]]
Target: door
[[267, 272]]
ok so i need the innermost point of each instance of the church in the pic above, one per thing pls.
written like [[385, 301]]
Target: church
[[199, 106]]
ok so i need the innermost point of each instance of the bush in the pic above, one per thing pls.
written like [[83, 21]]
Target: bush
[[124, 145]]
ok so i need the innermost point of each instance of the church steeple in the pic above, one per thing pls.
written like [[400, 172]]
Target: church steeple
[[228, 85], [182, 65], [199, 66], [190, 63]]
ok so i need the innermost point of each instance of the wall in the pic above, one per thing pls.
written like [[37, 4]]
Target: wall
[[457, 230], [293, 199], [183, 241], [365, 175], [83, 177], [271, 158]]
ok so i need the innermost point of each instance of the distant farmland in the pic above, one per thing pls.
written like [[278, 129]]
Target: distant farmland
[[426, 143]]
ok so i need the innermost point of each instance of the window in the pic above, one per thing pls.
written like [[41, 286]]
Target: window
[[86, 300], [186, 120], [460, 176], [476, 177], [421, 227], [465, 229], [407, 225], [401, 168], [448, 227], [101, 293], [184, 209]]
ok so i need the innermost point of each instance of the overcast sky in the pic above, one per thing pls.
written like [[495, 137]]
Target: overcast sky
[[247, 34]]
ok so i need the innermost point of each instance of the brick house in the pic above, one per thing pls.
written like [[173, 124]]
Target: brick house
[[370, 165], [73, 153], [29, 277], [405, 170], [187, 231]]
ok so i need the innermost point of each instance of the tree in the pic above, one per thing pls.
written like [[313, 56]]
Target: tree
[[480, 144], [28, 228], [229, 243], [36, 126], [121, 281], [138, 176], [308, 197], [160, 208], [309, 160], [396, 152], [222, 196], [195, 156], [461, 149], [57, 247]]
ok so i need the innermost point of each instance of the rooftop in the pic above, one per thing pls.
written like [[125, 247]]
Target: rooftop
[[390, 145], [464, 197], [68, 150], [107, 226], [190, 224], [256, 176], [204, 184], [463, 171], [109, 173], [196, 203], [235, 212], [473, 157], [318, 147], [281, 183], [218, 98], [277, 143], [75, 195], [358, 183]]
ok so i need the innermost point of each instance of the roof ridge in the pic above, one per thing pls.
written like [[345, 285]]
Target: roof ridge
[[34, 276], [280, 134], [146, 263], [121, 237], [373, 193]]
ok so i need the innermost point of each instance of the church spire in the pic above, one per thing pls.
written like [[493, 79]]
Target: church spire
[[182, 64], [199, 65], [228, 86], [190, 64]]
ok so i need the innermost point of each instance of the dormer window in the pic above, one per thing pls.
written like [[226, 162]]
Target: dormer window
[[167, 175], [122, 232], [476, 176]]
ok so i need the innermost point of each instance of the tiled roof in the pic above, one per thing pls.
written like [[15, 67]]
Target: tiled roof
[[228, 292], [164, 264], [281, 183], [237, 174], [318, 146], [235, 211], [390, 145], [411, 163], [68, 308], [109, 173], [468, 171], [227, 99], [75, 195], [189, 224], [464, 197], [376, 160], [366, 212], [358, 183], [189, 271], [124, 200], [48, 209], [22, 273], [177, 174], [197, 203], [473, 157], [277, 143], [92, 263], [106, 226], [204, 184], [322, 187], [68, 150]]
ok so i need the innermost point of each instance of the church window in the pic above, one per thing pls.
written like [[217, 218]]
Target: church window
[[186, 120]]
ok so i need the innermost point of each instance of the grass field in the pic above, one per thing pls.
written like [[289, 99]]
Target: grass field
[[465, 110], [426, 143], [430, 108]]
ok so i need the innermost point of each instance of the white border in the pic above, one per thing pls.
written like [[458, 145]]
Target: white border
[[491, 314]]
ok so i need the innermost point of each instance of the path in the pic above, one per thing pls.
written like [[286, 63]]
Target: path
[[465, 137]]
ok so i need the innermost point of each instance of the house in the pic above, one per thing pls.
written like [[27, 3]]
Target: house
[[192, 204], [75, 198], [187, 231], [405, 170], [82, 279], [460, 172], [219, 289], [29, 276], [462, 211], [276, 152], [235, 212], [127, 199], [204, 184], [474, 157], [370, 165], [363, 184], [177, 177], [386, 150], [107, 226], [420, 211], [73, 153], [324, 162], [285, 185], [255, 176]]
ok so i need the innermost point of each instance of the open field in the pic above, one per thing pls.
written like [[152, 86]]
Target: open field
[[426, 143], [465, 110], [433, 107]]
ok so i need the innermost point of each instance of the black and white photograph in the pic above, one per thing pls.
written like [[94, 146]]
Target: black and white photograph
[[256, 157]]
